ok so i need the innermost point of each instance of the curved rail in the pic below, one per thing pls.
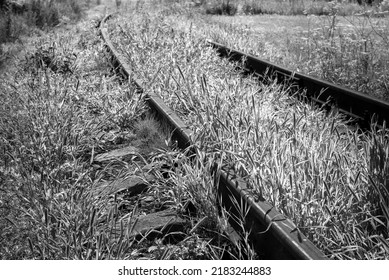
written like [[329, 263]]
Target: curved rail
[[272, 234], [360, 107]]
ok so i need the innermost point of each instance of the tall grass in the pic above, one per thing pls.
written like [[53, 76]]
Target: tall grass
[[51, 122], [308, 164], [37, 13], [293, 7], [350, 51], [61, 107]]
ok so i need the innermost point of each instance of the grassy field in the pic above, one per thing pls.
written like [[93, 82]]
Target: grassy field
[[332, 181]]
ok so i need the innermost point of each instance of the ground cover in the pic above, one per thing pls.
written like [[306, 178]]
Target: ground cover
[[329, 179], [63, 111], [53, 104]]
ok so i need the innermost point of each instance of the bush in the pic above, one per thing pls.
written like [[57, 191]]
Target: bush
[[252, 8], [4, 27], [43, 13], [384, 7], [224, 7], [20, 18]]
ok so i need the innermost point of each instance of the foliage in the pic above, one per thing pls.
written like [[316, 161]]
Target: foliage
[[293, 7], [37, 13], [252, 8], [384, 6], [222, 7]]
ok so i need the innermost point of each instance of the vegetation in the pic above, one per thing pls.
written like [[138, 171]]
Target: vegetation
[[61, 106], [308, 164], [49, 120], [41, 14], [222, 8], [292, 7], [350, 51]]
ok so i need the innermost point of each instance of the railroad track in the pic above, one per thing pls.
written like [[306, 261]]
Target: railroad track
[[362, 109], [273, 235]]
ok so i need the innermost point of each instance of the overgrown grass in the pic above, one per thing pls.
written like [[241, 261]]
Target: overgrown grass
[[50, 125], [294, 7], [310, 7], [349, 51], [310, 165], [40, 14], [62, 106]]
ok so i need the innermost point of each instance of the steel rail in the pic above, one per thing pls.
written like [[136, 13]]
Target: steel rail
[[362, 108], [273, 235]]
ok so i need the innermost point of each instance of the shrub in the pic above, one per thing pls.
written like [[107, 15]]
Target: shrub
[[252, 8], [76, 8], [384, 6], [224, 7], [43, 13], [5, 21]]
